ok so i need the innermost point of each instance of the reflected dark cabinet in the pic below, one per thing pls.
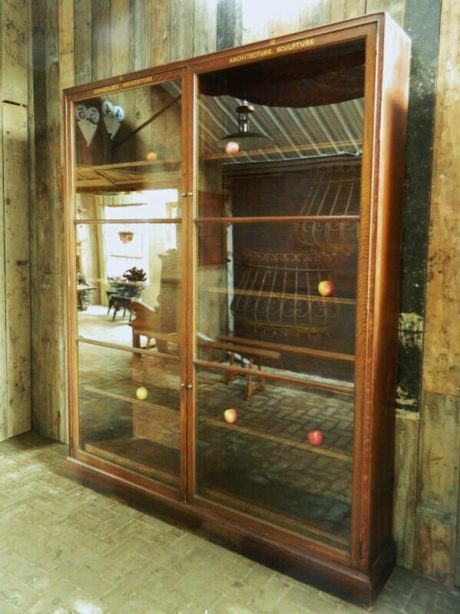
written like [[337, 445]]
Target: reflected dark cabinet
[[249, 389]]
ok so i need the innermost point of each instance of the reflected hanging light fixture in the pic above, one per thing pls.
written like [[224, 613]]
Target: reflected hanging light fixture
[[126, 236], [244, 138]]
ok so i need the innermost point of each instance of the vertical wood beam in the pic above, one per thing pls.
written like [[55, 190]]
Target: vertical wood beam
[[315, 13], [405, 490], [82, 19], [101, 47], [180, 29], [15, 387], [66, 44], [346, 9], [394, 7], [17, 267], [119, 37], [441, 361], [229, 23], [204, 27], [139, 34], [14, 57], [438, 514], [159, 32], [48, 333]]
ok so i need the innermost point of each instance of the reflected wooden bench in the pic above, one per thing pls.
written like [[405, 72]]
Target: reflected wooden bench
[[254, 357]]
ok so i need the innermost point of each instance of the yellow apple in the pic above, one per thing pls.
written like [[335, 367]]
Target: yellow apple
[[142, 393], [230, 416]]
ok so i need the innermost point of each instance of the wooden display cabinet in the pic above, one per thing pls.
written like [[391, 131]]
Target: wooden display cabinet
[[250, 391]]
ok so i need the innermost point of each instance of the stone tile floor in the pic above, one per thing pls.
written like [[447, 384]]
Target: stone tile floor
[[65, 549]]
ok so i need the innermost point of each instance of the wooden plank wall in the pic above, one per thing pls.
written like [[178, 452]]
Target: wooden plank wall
[[14, 220], [96, 39], [439, 468]]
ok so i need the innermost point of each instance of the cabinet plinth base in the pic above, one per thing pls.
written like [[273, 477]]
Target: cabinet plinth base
[[344, 582]]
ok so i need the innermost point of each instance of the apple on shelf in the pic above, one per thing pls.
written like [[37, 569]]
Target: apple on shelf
[[142, 393], [326, 287], [232, 148], [315, 438], [230, 416]]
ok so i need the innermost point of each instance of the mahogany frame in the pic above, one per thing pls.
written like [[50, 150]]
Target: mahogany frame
[[359, 574]]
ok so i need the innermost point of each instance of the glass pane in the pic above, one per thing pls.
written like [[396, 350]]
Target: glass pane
[[128, 279], [129, 140], [278, 232], [254, 454], [129, 410], [128, 291]]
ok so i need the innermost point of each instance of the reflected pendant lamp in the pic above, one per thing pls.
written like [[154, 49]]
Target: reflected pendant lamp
[[244, 138], [126, 236]]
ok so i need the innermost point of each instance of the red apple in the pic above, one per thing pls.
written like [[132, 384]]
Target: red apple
[[326, 287], [230, 416], [315, 438]]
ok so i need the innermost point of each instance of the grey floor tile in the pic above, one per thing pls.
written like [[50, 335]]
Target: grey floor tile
[[66, 549]]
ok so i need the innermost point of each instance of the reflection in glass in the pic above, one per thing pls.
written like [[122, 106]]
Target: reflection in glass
[[263, 462], [128, 284], [278, 230], [113, 277], [129, 410]]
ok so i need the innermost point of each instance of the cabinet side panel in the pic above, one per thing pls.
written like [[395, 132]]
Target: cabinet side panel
[[396, 54]]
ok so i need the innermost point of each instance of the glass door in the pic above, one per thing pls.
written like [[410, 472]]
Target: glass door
[[277, 229], [128, 278]]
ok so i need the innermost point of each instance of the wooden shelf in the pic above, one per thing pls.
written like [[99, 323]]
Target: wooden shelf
[[326, 385], [272, 516], [283, 295], [291, 349], [135, 454], [135, 175], [301, 445]]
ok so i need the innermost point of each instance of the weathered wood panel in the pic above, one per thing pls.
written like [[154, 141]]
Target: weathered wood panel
[[438, 514], [159, 32], [254, 24], [119, 37], [139, 33], [181, 29], [315, 13], [441, 371], [229, 24], [441, 368], [48, 333], [438, 478], [83, 45], [15, 387], [15, 50], [283, 19], [66, 44], [346, 9], [17, 267], [101, 48], [405, 492], [3, 355], [204, 27], [394, 7]]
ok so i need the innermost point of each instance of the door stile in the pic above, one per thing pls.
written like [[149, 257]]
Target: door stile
[[364, 311], [70, 302], [189, 261]]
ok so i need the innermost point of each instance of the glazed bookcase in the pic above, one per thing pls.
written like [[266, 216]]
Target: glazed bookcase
[[234, 222]]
